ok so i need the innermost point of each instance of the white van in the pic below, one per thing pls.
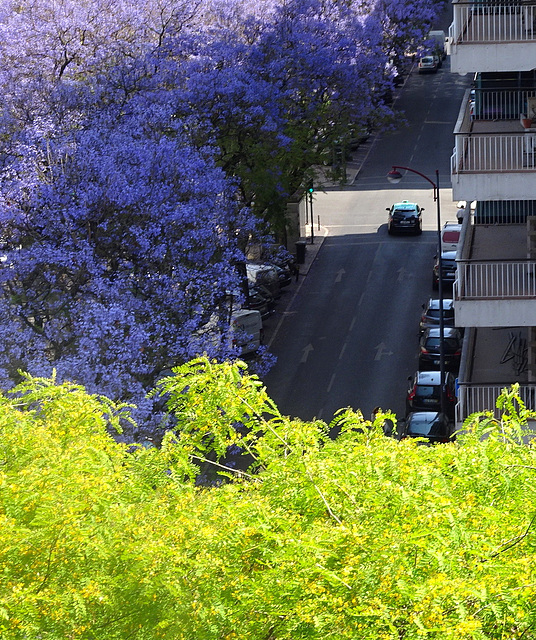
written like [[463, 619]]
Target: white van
[[450, 236], [247, 330], [439, 40]]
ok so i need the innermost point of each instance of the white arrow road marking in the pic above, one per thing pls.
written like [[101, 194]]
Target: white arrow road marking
[[404, 274], [340, 275], [380, 351], [306, 352]]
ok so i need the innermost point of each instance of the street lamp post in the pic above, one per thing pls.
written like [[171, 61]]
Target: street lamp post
[[395, 177]]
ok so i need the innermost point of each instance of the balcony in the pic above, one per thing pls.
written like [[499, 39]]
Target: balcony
[[496, 277], [482, 397], [488, 36], [495, 300], [494, 156]]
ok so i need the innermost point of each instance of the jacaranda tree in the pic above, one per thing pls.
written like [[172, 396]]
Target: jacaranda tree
[[136, 140]]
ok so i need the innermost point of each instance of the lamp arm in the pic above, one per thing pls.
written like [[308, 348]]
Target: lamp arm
[[436, 194]]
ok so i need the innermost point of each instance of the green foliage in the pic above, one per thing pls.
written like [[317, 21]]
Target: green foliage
[[361, 536]]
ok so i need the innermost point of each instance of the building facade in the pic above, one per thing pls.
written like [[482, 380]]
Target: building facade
[[493, 169]]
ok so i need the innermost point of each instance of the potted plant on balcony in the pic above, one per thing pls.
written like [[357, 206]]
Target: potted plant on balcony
[[526, 122]]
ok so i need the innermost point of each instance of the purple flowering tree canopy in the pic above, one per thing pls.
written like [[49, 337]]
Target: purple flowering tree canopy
[[137, 141]]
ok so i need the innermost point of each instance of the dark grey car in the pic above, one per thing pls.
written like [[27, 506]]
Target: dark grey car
[[432, 425], [424, 392], [431, 314], [448, 269], [404, 217], [430, 352]]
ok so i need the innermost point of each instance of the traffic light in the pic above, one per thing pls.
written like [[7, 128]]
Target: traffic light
[[310, 187]]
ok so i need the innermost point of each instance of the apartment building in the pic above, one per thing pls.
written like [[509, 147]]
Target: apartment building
[[493, 166]]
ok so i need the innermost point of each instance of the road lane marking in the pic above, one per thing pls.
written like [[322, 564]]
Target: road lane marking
[[331, 383], [306, 351], [381, 351]]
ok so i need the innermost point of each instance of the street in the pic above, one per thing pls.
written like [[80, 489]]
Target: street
[[349, 337]]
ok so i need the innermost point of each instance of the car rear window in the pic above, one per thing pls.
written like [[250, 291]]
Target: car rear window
[[425, 392], [424, 428], [451, 344], [433, 314], [451, 236]]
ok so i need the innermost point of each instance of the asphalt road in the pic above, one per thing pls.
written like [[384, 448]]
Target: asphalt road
[[349, 337]]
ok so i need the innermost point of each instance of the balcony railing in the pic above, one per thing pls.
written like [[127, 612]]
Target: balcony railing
[[482, 397], [494, 153], [495, 279], [491, 104], [482, 21]]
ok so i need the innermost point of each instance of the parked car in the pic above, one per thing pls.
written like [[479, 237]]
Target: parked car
[[278, 255], [429, 353], [284, 275], [424, 392], [260, 298], [404, 217], [431, 314], [427, 64], [450, 236], [432, 425], [256, 301], [265, 274], [244, 332], [448, 270]]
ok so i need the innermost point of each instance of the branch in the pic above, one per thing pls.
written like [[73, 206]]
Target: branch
[[222, 466], [513, 541], [323, 498]]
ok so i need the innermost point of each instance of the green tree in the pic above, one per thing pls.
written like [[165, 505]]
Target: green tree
[[362, 536]]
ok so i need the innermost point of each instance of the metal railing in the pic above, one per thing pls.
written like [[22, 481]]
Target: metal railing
[[482, 21], [482, 397], [492, 104], [495, 279], [496, 153]]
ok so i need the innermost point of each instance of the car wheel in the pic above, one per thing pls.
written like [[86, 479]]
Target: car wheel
[[419, 231]]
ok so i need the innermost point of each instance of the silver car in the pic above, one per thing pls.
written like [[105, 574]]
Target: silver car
[[428, 64]]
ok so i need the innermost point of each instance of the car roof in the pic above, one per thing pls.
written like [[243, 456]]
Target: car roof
[[424, 416], [448, 332], [452, 226], [405, 205], [433, 303], [428, 377]]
